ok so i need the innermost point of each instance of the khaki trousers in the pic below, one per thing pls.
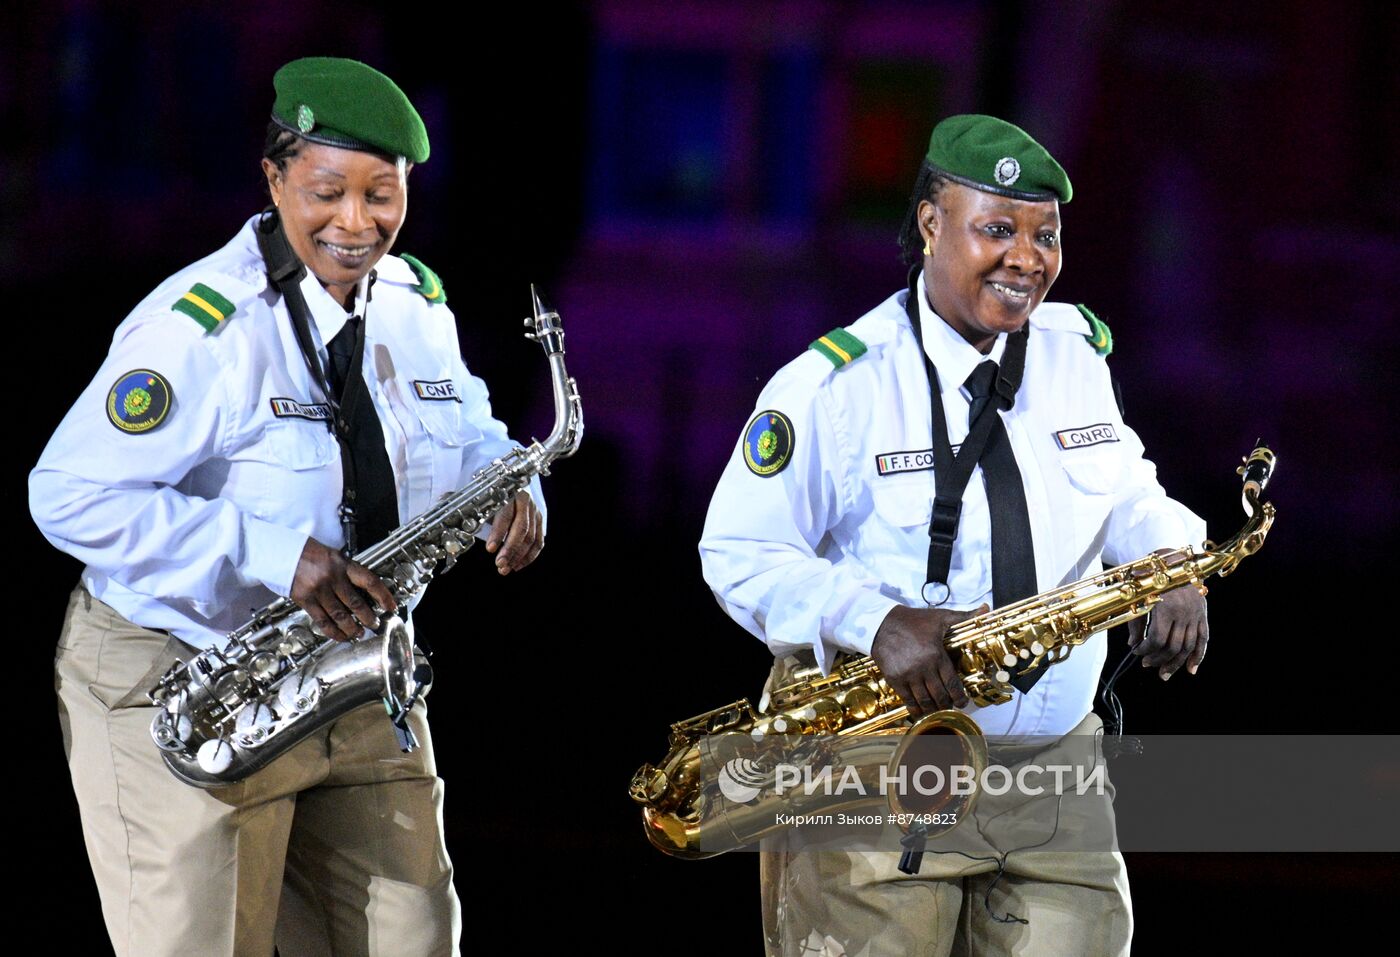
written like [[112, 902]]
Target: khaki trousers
[[335, 848], [822, 903]]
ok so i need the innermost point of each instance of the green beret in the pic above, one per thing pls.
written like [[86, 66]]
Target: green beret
[[993, 155], [345, 103]]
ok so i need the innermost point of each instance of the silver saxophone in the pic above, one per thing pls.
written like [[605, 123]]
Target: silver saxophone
[[232, 710]]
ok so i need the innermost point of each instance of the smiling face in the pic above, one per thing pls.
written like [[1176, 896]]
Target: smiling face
[[341, 210], [991, 259]]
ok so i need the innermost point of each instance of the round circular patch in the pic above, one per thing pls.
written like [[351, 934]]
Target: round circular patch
[[768, 443], [305, 118], [1007, 171], [139, 401]]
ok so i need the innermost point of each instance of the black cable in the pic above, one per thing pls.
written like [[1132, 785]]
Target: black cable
[[1116, 744], [1000, 861]]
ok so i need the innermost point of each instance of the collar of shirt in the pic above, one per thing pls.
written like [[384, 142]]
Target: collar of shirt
[[952, 355], [327, 315]]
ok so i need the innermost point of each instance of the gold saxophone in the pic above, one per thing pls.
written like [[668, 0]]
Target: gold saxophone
[[852, 711]]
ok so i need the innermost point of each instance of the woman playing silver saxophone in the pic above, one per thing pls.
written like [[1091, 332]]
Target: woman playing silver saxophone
[[270, 410]]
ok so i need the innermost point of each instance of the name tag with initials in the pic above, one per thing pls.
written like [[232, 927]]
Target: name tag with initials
[[292, 409], [440, 391], [1085, 436], [892, 463]]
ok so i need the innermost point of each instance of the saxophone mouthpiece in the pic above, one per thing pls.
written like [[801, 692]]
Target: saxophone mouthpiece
[[541, 305], [544, 326], [1256, 470]]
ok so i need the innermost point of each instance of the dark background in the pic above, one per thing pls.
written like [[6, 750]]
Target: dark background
[[703, 188]]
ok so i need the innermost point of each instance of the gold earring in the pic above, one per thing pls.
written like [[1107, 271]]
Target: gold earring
[[927, 251]]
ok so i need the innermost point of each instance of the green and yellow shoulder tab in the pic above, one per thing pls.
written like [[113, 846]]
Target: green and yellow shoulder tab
[[429, 285], [204, 306], [840, 347], [1099, 337]]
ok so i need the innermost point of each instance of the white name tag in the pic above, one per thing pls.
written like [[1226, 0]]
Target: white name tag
[[891, 463], [292, 409], [442, 390], [1086, 436]]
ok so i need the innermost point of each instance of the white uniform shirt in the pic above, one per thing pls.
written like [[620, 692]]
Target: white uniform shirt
[[815, 555], [194, 524]]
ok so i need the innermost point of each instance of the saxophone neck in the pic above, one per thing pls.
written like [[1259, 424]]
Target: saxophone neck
[[546, 329]]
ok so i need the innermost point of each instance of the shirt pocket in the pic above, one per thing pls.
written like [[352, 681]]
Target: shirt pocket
[[301, 471], [896, 543], [1092, 482], [1093, 474], [450, 436], [903, 505], [300, 446]]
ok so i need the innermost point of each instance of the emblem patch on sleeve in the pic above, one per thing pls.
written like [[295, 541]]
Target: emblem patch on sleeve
[[1086, 436], [768, 443], [441, 390], [139, 401]]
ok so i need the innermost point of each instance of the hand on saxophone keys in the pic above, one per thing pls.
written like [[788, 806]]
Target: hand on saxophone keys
[[333, 590], [910, 651], [1174, 634], [517, 534]]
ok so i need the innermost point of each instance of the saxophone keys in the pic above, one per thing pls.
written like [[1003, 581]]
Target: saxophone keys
[[295, 641], [254, 722], [231, 686], [171, 730], [263, 666], [215, 756], [298, 695]]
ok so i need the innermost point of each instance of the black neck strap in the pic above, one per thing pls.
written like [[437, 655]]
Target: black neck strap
[[952, 472], [286, 272]]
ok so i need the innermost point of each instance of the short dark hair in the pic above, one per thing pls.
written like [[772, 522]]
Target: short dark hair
[[281, 146], [926, 187]]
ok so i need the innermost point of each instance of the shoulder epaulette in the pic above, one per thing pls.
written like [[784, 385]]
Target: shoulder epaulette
[[429, 285], [204, 306], [840, 347], [1099, 337]]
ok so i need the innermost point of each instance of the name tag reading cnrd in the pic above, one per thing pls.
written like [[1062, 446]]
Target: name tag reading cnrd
[[1086, 436], [441, 390], [292, 409]]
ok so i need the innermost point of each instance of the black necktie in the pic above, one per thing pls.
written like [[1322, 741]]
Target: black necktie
[[342, 351], [1013, 556], [376, 501]]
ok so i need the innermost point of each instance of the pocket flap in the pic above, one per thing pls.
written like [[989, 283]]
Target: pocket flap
[[904, 504], [1093, 474], [444, 421], [301, 445]]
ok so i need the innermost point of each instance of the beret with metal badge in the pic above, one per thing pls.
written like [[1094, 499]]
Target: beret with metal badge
[[995, 156], [345, 103]]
